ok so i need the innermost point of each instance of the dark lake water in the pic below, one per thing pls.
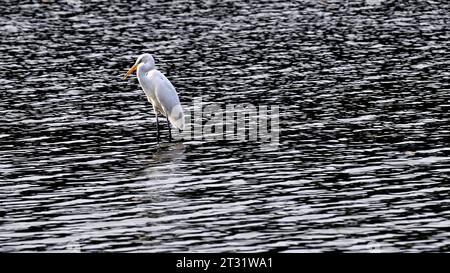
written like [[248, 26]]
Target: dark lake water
[[363, 161]]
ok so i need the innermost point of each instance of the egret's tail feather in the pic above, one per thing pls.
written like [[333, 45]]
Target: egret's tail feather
[[176, 117], [178, 123]]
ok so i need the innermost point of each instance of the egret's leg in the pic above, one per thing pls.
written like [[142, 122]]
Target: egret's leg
[[170, 133], [157, 126]]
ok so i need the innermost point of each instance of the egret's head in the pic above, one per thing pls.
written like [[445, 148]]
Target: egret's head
[[146, 59]]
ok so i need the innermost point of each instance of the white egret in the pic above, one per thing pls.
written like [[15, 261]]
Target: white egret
[[159, 91]]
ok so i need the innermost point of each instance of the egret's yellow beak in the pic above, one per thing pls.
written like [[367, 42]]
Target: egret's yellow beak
[[131, 70]]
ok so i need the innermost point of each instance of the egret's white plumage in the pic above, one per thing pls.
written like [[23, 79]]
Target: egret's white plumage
[[159, 90]]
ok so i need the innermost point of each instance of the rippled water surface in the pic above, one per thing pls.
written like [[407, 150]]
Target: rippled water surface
[[363, 160]]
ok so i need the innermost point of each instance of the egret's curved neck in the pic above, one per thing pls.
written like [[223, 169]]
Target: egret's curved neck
[[142, 71]]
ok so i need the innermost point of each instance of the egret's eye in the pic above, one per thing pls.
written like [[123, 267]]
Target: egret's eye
[[139, 60]]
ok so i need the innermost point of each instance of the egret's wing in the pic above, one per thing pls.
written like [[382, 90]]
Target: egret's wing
[[168, 99]]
